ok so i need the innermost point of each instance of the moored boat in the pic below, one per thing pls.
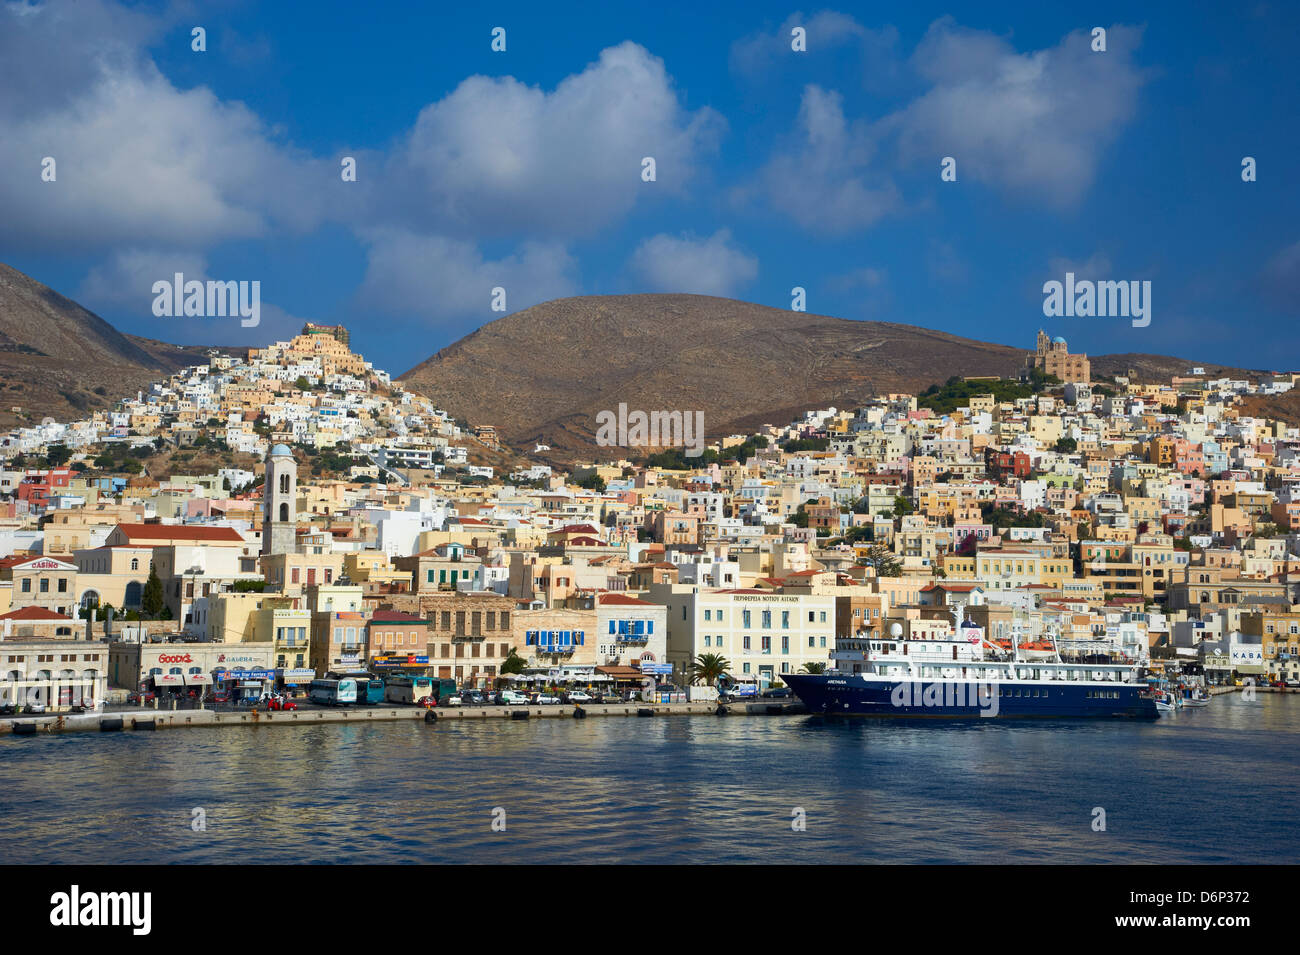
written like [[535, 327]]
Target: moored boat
[[965, 675]]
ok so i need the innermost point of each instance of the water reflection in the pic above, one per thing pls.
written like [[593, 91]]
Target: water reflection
[[692, 789]]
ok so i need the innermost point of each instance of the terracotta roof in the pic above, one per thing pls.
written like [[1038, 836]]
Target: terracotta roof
[[623, 600], [33, 613], [576, 529], [170, 532]]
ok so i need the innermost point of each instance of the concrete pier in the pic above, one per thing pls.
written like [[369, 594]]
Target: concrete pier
[[146, 720]]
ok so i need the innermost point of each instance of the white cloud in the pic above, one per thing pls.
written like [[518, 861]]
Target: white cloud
[[712, 266], [1034, 123], [496, 157], [823, 178], [760, 56], [861, 278], [126, 279], [441, 279], [1095, 268], [138, 160]]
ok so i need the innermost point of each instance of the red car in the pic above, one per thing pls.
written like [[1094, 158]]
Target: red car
[[281, 703], [144, 696]]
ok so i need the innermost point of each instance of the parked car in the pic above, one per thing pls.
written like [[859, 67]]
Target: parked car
[[777, 693], [452, 700], [545, 699], [34, 708], [140, 698], [472, 698], [281, 703], [577, 696], [511, 698]]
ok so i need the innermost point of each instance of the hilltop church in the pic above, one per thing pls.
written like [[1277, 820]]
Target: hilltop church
[[1053, 358]]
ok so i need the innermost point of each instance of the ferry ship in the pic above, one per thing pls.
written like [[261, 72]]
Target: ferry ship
[[967, 676]]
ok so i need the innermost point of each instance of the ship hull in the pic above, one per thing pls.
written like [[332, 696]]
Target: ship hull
[[954, 699]]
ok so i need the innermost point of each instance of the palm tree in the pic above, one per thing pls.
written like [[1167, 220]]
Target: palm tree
[[813, 668], [708, 667]]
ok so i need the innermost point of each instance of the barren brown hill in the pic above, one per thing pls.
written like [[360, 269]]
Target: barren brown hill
[[60, 360], [1283, 407], [543, 374], [1160, 368]]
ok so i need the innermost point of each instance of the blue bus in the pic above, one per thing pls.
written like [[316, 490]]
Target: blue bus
[[333, 692], [370, 690]]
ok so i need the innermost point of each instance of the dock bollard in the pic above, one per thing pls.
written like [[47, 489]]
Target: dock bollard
[[579, 713], [430, 716], [720, 711], [645, 711]]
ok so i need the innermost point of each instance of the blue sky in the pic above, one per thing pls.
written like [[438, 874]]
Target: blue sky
[[775, 169]]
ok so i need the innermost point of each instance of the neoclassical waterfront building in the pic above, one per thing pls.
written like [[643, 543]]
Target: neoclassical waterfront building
[[55, 673]]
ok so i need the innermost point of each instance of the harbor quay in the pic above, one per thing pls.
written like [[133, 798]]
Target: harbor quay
[[147, 720]]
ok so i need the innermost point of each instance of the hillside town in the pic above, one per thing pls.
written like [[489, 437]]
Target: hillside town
[[313, 517]]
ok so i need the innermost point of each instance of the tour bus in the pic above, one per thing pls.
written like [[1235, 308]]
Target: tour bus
[[408, 689], [444, 688], [370, 690], [333, 692]]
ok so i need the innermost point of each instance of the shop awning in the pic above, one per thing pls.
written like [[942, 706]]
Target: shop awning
[[168, 679], [197, 679], [621, 673]]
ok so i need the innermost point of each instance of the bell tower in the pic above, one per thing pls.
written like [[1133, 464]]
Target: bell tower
[[279, 496]]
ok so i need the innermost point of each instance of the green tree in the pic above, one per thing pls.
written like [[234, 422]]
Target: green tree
[[813, 668], [58, 455], [709, 667], [151, 601], [302, 384], [1066, 446], [883, 559], [513, 663], [902, 506]]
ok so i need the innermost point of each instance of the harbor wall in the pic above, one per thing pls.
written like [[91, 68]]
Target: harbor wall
[[145, 720]]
